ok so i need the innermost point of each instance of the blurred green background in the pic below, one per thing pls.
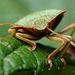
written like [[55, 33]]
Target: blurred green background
[[13, 10]]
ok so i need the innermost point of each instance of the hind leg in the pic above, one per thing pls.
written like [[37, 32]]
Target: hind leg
[[60, 40], [72, 26]]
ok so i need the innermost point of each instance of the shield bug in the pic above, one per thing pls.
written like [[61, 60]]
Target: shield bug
[[39, 24]]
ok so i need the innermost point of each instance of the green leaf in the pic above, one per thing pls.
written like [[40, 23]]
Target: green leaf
[[15, 55]]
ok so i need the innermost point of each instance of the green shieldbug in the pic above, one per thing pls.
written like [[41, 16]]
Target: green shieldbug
[[39, 24]]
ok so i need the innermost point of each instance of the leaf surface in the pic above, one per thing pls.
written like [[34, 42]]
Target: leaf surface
[[15, 55]]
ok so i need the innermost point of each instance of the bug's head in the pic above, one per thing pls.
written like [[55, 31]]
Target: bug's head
[[12, 31]]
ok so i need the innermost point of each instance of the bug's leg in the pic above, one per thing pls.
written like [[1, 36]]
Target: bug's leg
[[26, 37], [65, 49], [63, 37], [57, 39], [72, 26], [67, 45]]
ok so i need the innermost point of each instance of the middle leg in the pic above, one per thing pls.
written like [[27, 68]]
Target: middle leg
[[26, 37]]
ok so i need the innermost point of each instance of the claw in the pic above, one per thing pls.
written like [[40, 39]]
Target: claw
[[33, 48], [50, 62], [46, 60], [62, 59]]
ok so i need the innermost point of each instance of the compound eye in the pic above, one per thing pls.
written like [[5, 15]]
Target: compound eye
[[12, 31]]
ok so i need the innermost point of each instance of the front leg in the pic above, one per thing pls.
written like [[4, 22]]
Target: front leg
[[26, 37]]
